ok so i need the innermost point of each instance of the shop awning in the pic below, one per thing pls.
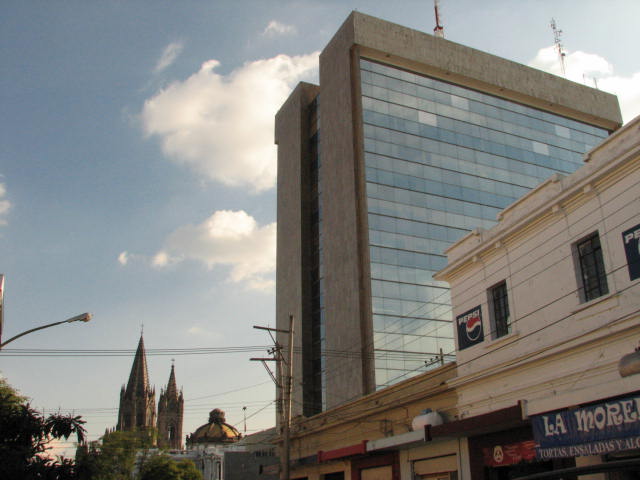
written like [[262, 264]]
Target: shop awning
[[502, 419], [350, 451], [396, 441]]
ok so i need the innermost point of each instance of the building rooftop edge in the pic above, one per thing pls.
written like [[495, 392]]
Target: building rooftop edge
[[450, 61], [437, 384]]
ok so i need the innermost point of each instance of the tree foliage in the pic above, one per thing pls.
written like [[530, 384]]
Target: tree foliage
[[8, 394], [161, 467], [114, 458], [25, 435]]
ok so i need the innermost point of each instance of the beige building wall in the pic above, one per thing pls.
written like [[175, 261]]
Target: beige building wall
[[433, 457], [379, 415], [346, 253], [291, 136]]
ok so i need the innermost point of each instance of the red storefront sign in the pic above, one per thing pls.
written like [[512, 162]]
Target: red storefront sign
[[510, 454]]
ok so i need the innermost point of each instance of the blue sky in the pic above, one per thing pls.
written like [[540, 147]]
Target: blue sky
[[137, 172]]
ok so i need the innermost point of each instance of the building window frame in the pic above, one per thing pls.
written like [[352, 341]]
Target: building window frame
[[591, 275], [499, 312]]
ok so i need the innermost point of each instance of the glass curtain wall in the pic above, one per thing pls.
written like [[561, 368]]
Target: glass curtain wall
[[440, 161]]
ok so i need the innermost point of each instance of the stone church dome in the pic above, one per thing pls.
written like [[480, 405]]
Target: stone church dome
[[215, 431]]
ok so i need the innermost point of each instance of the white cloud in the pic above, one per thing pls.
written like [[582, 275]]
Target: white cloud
[[199, 331], [222, 126], [196, 330], [628, 91], [123, 258], [588, 68], [227, 238], [276, 28], [5, 205], [169, 55], [163, 259]]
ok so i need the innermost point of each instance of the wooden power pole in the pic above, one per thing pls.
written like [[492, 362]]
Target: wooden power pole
[[284, 383]]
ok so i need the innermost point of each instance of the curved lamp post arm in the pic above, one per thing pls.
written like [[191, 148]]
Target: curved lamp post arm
[[84, 317]]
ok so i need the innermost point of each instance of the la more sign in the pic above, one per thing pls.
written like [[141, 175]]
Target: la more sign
[[594, 429]]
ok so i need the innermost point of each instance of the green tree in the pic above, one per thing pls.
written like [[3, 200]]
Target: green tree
[[114, 457], [25, 435], [162, 467], [9, 395]]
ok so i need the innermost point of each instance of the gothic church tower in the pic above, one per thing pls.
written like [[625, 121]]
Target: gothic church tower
[[138, 399], [170, 411]]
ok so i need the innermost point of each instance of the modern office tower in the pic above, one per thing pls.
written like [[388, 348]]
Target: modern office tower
[[409, 142]]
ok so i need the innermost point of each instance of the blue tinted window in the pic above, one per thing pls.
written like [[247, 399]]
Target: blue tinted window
[[441, 160]]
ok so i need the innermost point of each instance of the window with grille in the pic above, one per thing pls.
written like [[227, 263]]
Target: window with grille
[[499, 308], [590, 264]]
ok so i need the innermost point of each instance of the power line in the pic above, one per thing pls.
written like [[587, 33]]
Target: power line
[[111, 409], [570, 315], [49, 352], [228, 391], [193, 408], [369, 345]]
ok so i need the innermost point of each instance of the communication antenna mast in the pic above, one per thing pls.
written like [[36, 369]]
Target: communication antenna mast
[[438, 31], [595, 81], [557, 34]]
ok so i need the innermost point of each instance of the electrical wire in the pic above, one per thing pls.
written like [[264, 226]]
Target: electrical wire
[[523, 267], [512, 261], [336, 353], [50, 352]]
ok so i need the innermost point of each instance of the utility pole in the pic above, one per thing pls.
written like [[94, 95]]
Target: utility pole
[[284, 383], [244, 411]]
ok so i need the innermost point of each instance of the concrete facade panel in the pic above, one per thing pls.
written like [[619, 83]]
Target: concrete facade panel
[[496, 265], [585, 219], [460, 64], [291, 135], [341, 227]]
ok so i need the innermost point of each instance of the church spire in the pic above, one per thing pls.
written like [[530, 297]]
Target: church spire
[[139, 376], [170, 414], [172, 388], [138, 399]]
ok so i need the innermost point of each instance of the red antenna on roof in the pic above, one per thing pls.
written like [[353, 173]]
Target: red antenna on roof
[[438, 31]]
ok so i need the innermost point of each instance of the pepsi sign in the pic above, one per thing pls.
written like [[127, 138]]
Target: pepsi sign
[[469, 326], [631, 239]]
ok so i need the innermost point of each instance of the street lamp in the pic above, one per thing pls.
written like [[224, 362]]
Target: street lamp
[[83, 317]]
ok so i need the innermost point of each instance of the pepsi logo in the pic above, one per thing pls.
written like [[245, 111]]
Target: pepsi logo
[[474, 328], [470, 331]]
